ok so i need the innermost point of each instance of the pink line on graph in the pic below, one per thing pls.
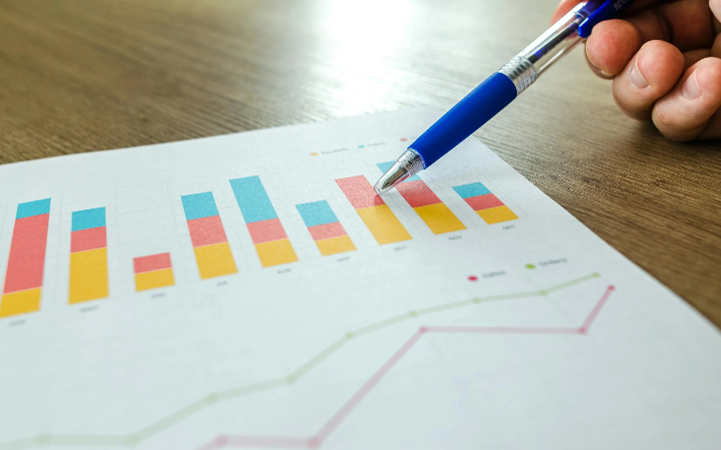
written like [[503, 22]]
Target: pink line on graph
[[330, 426]]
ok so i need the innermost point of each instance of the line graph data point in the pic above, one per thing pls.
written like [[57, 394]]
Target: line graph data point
[[423, 330], [611, 287], [582, 330], [314, 442], [349, 335]]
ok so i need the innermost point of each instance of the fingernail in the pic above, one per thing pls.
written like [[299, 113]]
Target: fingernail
[[635, 78], [590, 61], [690, 87]]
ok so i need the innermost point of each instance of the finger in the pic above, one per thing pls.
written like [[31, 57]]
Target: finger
[[685, 23], [685, 113], [611, 46], [650, 75]]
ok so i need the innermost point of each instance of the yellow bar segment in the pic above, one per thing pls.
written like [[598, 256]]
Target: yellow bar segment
[[154, 279], [497, 214], [383, 224], [215, 260], [88, 275], [277, 252], [20, 302], [332, 246], [439, 218]]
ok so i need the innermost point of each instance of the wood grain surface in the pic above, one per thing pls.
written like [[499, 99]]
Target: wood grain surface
[[82, 75]]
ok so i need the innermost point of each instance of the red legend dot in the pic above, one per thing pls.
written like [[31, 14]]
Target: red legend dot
[[403, 139], [472, 278]]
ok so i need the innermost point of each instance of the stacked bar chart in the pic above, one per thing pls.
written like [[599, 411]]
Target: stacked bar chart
[[88, 256], [375, 214], [439, 218], [329, 235], [153, 272], [210, 244], [484, 203], [266, 231], [26, 263]]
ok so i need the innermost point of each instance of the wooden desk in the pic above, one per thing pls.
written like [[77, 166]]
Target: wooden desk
[[78, 76]]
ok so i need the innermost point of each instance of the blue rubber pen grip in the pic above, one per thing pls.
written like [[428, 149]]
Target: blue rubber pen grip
[[477, 108]]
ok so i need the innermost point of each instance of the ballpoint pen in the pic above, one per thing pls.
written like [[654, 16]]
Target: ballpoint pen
[[499, 90]]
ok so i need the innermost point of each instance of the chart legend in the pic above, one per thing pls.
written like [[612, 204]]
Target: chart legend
[[263, 224], [327, 232], [153, 272], [484, 203], [26, 263], [210, 244], [377, 216], [439, 218]]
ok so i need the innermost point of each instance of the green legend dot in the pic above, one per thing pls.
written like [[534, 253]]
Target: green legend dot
[[530, 266]]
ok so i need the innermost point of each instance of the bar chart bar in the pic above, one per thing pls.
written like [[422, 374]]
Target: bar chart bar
[[439, 218], [266, 231], [329, 235], [26, 262], [210, 244], [88, 256], [377, 216], [484, 203], [153, 272]]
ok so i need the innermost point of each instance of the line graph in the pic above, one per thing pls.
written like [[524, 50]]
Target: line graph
[[134, 439], [339, 417]]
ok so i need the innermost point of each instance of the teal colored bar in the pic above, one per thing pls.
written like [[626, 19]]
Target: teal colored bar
[[199, 206], [471, 190], [384, 166], [88, 218], [252, 199], [316, 213], [34, 208]]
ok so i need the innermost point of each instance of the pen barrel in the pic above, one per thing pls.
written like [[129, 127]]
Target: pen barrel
[[477, 108]]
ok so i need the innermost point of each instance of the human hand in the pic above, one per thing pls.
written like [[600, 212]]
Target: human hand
[[665, 61]]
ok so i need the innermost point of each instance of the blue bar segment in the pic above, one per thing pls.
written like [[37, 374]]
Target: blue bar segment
[[384, 166], [34, 208], [316, 213], [471, 190], [252, 199], [88, 218], [198, 206]]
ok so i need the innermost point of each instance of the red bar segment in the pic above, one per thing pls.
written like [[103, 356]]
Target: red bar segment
[[266, 231], [152, 262], [417, 193], [481, 202], [88, 239], [327, 231], [27, 254], [359, 192], [206, 231]]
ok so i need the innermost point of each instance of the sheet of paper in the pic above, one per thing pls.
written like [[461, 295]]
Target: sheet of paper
[[250, 291]]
